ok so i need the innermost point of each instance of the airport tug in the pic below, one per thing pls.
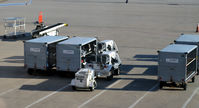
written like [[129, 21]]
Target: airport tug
[[84, 79]]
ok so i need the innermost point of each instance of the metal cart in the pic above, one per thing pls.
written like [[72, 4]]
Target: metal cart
[[14, 26], [177, 65], [40, 53], [188, 39]]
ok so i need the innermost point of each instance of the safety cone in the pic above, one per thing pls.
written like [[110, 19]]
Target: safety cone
[[197, 28], [40, 19]]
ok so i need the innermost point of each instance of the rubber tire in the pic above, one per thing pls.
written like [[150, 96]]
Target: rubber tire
[[74, 88], [95, 84], [109, 78], [161, 84], [193, 79], [117, 71], [30, 71], [91, 88], [184, 85]]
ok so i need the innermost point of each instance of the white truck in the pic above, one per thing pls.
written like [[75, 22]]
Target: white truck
[[84, 79], [107, 65]]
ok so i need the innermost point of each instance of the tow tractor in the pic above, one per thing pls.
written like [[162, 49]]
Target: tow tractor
[[84, 79], [107, 65], [107, 45], [43, 30]]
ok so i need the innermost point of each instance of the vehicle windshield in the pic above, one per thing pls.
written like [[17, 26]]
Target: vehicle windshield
[[105, 59]]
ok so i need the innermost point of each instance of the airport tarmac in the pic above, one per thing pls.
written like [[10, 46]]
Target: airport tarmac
[[140, 28]]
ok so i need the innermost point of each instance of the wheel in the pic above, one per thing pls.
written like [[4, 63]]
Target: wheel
[[109, 78], [95, 84], [30, 72], [161, 84], [91, 88], [117, 71], [184, 85], [193, 79], [73, 87], [14, 37]]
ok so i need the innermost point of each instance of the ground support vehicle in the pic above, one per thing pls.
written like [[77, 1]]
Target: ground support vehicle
[[74, 53], [14, 27], [42, 30], [84, 79], [107, 45], [107, 65], [177, 65], [189, 39], [40, 53]]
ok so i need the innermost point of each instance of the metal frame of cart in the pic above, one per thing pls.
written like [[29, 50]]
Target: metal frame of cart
[[14, 26]]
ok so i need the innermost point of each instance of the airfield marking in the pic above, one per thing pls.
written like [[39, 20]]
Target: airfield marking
[[86, 102], [134, 104], [10, 90], [190, 98], [45, 97], [17, 4]]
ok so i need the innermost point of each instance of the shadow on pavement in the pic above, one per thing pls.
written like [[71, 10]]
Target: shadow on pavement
[[26, 36], [151, 69], [142, 57], [14, 59]]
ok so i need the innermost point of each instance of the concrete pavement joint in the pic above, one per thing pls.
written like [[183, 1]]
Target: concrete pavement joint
[[10, 90], [190, 98], [43, 98], [86, 102], [134, 104]]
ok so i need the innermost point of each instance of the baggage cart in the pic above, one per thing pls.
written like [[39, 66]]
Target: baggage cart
[[177, 65]]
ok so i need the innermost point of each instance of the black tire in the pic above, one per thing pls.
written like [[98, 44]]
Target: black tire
[[30, 71], [95, 84], [193, 79], [117, 72], [14, 37], [91, 88], [109, 78], [184, 85], [74, 88], [161, 84]]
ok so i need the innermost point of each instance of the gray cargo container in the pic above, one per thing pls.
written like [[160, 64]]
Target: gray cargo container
[[177, 65], [189, 39], [40, 53], [74, 53]]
